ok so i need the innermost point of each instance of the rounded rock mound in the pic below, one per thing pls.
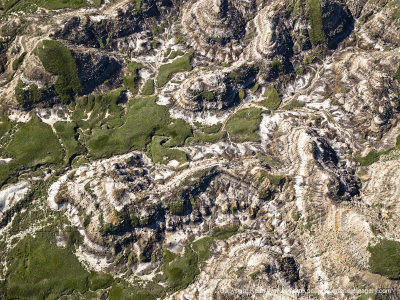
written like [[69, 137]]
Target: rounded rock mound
[[216, 27]]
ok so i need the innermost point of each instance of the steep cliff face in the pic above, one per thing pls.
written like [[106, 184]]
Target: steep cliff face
[[202, 149]]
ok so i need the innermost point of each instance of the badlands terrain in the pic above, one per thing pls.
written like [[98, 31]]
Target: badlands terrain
[[199, 149]]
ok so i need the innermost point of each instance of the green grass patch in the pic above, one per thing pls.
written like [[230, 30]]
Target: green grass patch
[[272, 98], [224, 233], [57, 59], [371, 157], [98, 106], [202, 138], [294, 104], [33, 5], [243, 125], [148, 87], [143, 120], [40, 269], [385, 259], [131, 81], [314, 15], [67, 132], [273, 179], [211, 128], [32, 145], [180, 64], [161, 154], [5, 126]]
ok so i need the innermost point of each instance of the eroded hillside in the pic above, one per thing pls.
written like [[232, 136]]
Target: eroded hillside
[[200, 149]]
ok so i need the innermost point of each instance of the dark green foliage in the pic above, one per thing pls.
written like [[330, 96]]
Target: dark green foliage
[[272, 98], [314, 15], [17, 63], [176, 207], [243, 125], [28, 96], [57, 59], [385, 258], [144, 119], [5, 126], [264, 194], [100, 281], [273, 179]]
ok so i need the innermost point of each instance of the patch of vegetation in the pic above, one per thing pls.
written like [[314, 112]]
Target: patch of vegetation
[[294, 104], [273, 179], [67, 132], [202, 248], [176, 207], [397, 75], [144, 119], [5, 126], [224, 233], [131, 81], [272, 98], [148, 87], [18, 62], [201, 138], [211, 128], [98, 106], [161, 154], [57, 59], [241, 94], [180, 64], [175, 54], [371, 157], [32, 5], [243, 125], [27, 96], [33, 144], [314, 15], [385, 258], [40, 269]]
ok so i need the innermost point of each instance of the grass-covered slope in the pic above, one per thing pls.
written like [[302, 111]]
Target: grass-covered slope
[[243, 126], [33, 144], [32, 5], [57, 59]]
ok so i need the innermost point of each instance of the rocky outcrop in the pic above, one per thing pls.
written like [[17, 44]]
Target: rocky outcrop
[[216, 27], [95, 67]]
